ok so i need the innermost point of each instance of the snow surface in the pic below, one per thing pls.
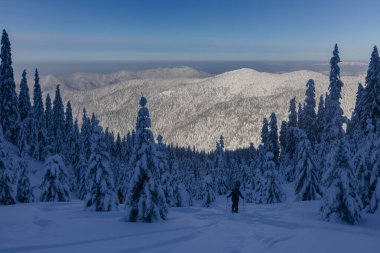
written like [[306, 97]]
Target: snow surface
[[285, 227]]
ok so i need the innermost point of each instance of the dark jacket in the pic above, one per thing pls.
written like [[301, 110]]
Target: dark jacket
[[235, 194]]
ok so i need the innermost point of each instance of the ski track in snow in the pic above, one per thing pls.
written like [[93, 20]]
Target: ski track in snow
[[285, 227]]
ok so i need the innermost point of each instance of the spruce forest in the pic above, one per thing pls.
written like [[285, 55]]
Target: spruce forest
[[326, 155]]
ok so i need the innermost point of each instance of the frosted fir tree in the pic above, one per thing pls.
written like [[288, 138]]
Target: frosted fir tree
[[168, 186], [310, 116], [39, 138], [301, 117], [69, 122], [85, 135], [333, 125], [250, 192], [259, 190], [25, 107], [290, 140], [6, 187], [58, 122], [81, 170], [145, 196], [354, 129], [265, 133], [180, 193], [307, 186], [272, 191], [370, 102], [101, 195], [335, 87], [208, 192], [9, 105], [55, 185], [283, 137], [292, 113], [251, 173], [341, 202], [220, 168], [259, 179], [167, 181], [24, 98], [49, 116], [367, 163], [273, 138], [71, 149], [120, 178], [22, 141], [320, 119], [24, 189]]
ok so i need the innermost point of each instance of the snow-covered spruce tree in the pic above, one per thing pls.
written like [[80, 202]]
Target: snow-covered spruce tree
[[288, 154], [354, 129], [71, 149], [320, 119], [307, 185], [69, 122], [24, 189], [220, 168], [167, 181], [292, 113], [49, 116], [333, 125], [251, 174], [366, 164], [101, 194], [179, 192], [24, 98], [310, 116], [265, 133], [25, 106], [370, 102], [341, 202], [145, 196], [208, 192], [272, 191], [39, 136], [55, 185], [9, 105], [85, 135], [22, 141], [273, 138], [283, 137], [6, 188], [301, 117], [120, 178], [81, 169], [58, 122], [259, 190]]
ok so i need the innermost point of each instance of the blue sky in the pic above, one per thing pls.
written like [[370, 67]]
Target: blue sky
[[190, 30]]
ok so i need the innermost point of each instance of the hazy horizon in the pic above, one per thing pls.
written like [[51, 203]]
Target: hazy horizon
[[210, 67]]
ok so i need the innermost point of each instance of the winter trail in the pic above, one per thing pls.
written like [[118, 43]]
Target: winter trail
[[285, 227]]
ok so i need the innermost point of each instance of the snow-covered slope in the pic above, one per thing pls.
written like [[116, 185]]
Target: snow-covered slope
[[286, 227], [86, 81], [196, 111]]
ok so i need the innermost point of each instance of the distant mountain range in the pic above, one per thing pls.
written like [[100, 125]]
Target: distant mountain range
[[190, 107]]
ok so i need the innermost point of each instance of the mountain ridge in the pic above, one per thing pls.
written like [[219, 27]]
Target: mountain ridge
[[196, 111]]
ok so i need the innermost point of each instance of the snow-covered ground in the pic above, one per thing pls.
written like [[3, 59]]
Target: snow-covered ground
[[287, 227]]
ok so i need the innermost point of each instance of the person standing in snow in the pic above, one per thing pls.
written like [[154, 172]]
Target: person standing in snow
[[235, 194]]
